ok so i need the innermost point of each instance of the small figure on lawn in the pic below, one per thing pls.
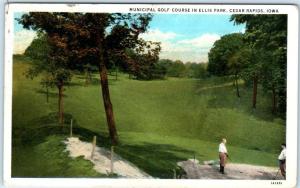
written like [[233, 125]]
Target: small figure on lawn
[[282, 159], [223, 155]]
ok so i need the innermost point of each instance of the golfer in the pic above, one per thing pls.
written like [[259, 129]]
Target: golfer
[[281, 159], [223, 155]]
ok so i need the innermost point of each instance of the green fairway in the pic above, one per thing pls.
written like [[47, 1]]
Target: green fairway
[[159, 123]]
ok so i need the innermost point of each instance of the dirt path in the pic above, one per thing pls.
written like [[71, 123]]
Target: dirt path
[[101, 159], [195, 170]]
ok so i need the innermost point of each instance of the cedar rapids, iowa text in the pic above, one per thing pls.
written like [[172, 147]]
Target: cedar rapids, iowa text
[[187, 10]]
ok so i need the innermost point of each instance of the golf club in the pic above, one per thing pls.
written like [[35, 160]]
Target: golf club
[[276, 174]]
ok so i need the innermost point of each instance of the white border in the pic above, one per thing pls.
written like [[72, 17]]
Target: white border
[[292, 101]]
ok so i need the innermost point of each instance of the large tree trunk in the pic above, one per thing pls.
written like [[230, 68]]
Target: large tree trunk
[[237, 87], [60, 103], [274, 100], [254, 96], [106, 99]]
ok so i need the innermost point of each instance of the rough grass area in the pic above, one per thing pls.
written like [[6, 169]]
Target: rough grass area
[[48, 159], [159, 122]]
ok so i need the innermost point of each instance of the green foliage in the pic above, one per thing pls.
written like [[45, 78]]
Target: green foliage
[[180, 69], [77, 39], [158, 71], [266, 36], [222, 50], [174, 68], [177, 69], [196, 70], [143, 61], [55, 66], [39, 48]]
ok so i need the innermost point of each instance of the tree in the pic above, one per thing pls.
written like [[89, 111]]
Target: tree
[[174, 68], [267, 35], [222, 50], [94, 37], [226, 57], [123, 34], [143, 61], [50, 58], [234, 68], [38, 51], [196, 70]]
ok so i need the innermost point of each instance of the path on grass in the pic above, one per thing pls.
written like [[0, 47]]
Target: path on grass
[[195, 170], [101, 159]]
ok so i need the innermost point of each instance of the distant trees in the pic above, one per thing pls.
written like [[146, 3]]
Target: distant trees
[[176, 69], [179, 69], [149, 66], [196, 70]]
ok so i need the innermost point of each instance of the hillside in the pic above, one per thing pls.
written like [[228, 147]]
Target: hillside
[[160, 123]]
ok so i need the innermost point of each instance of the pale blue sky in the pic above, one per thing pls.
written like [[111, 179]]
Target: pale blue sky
[[17, 27], [186, 37], [193, 25]]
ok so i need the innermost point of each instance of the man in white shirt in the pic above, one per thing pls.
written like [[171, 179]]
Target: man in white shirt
[[223, 155], [282, 159]]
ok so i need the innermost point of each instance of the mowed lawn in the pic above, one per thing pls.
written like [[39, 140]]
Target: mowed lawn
[[159, 123]]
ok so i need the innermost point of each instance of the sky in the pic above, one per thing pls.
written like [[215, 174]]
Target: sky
[[185, 37]]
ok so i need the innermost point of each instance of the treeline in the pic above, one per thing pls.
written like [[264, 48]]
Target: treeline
[[179, 69], [147, 69], [258, 56]]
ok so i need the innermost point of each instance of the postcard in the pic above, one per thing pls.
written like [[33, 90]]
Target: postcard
[[150, 95]]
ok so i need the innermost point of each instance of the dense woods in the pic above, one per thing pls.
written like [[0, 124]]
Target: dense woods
[[257, 56]]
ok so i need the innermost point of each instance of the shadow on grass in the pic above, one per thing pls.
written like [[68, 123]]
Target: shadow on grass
[[158, 160], [73, 84], [40, 128], [51, 118], [50, 94], [37, 130], [222, 94], [92, 81], [243, 104]]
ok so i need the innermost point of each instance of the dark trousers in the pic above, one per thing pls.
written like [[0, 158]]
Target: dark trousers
[[223, 158], [282, 167]]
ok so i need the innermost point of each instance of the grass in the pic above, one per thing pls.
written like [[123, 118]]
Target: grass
[[48, 159], [159, 122]]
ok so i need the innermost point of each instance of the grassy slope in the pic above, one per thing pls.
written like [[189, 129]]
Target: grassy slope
[[159, 122], [38, 150], [47, 159]]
